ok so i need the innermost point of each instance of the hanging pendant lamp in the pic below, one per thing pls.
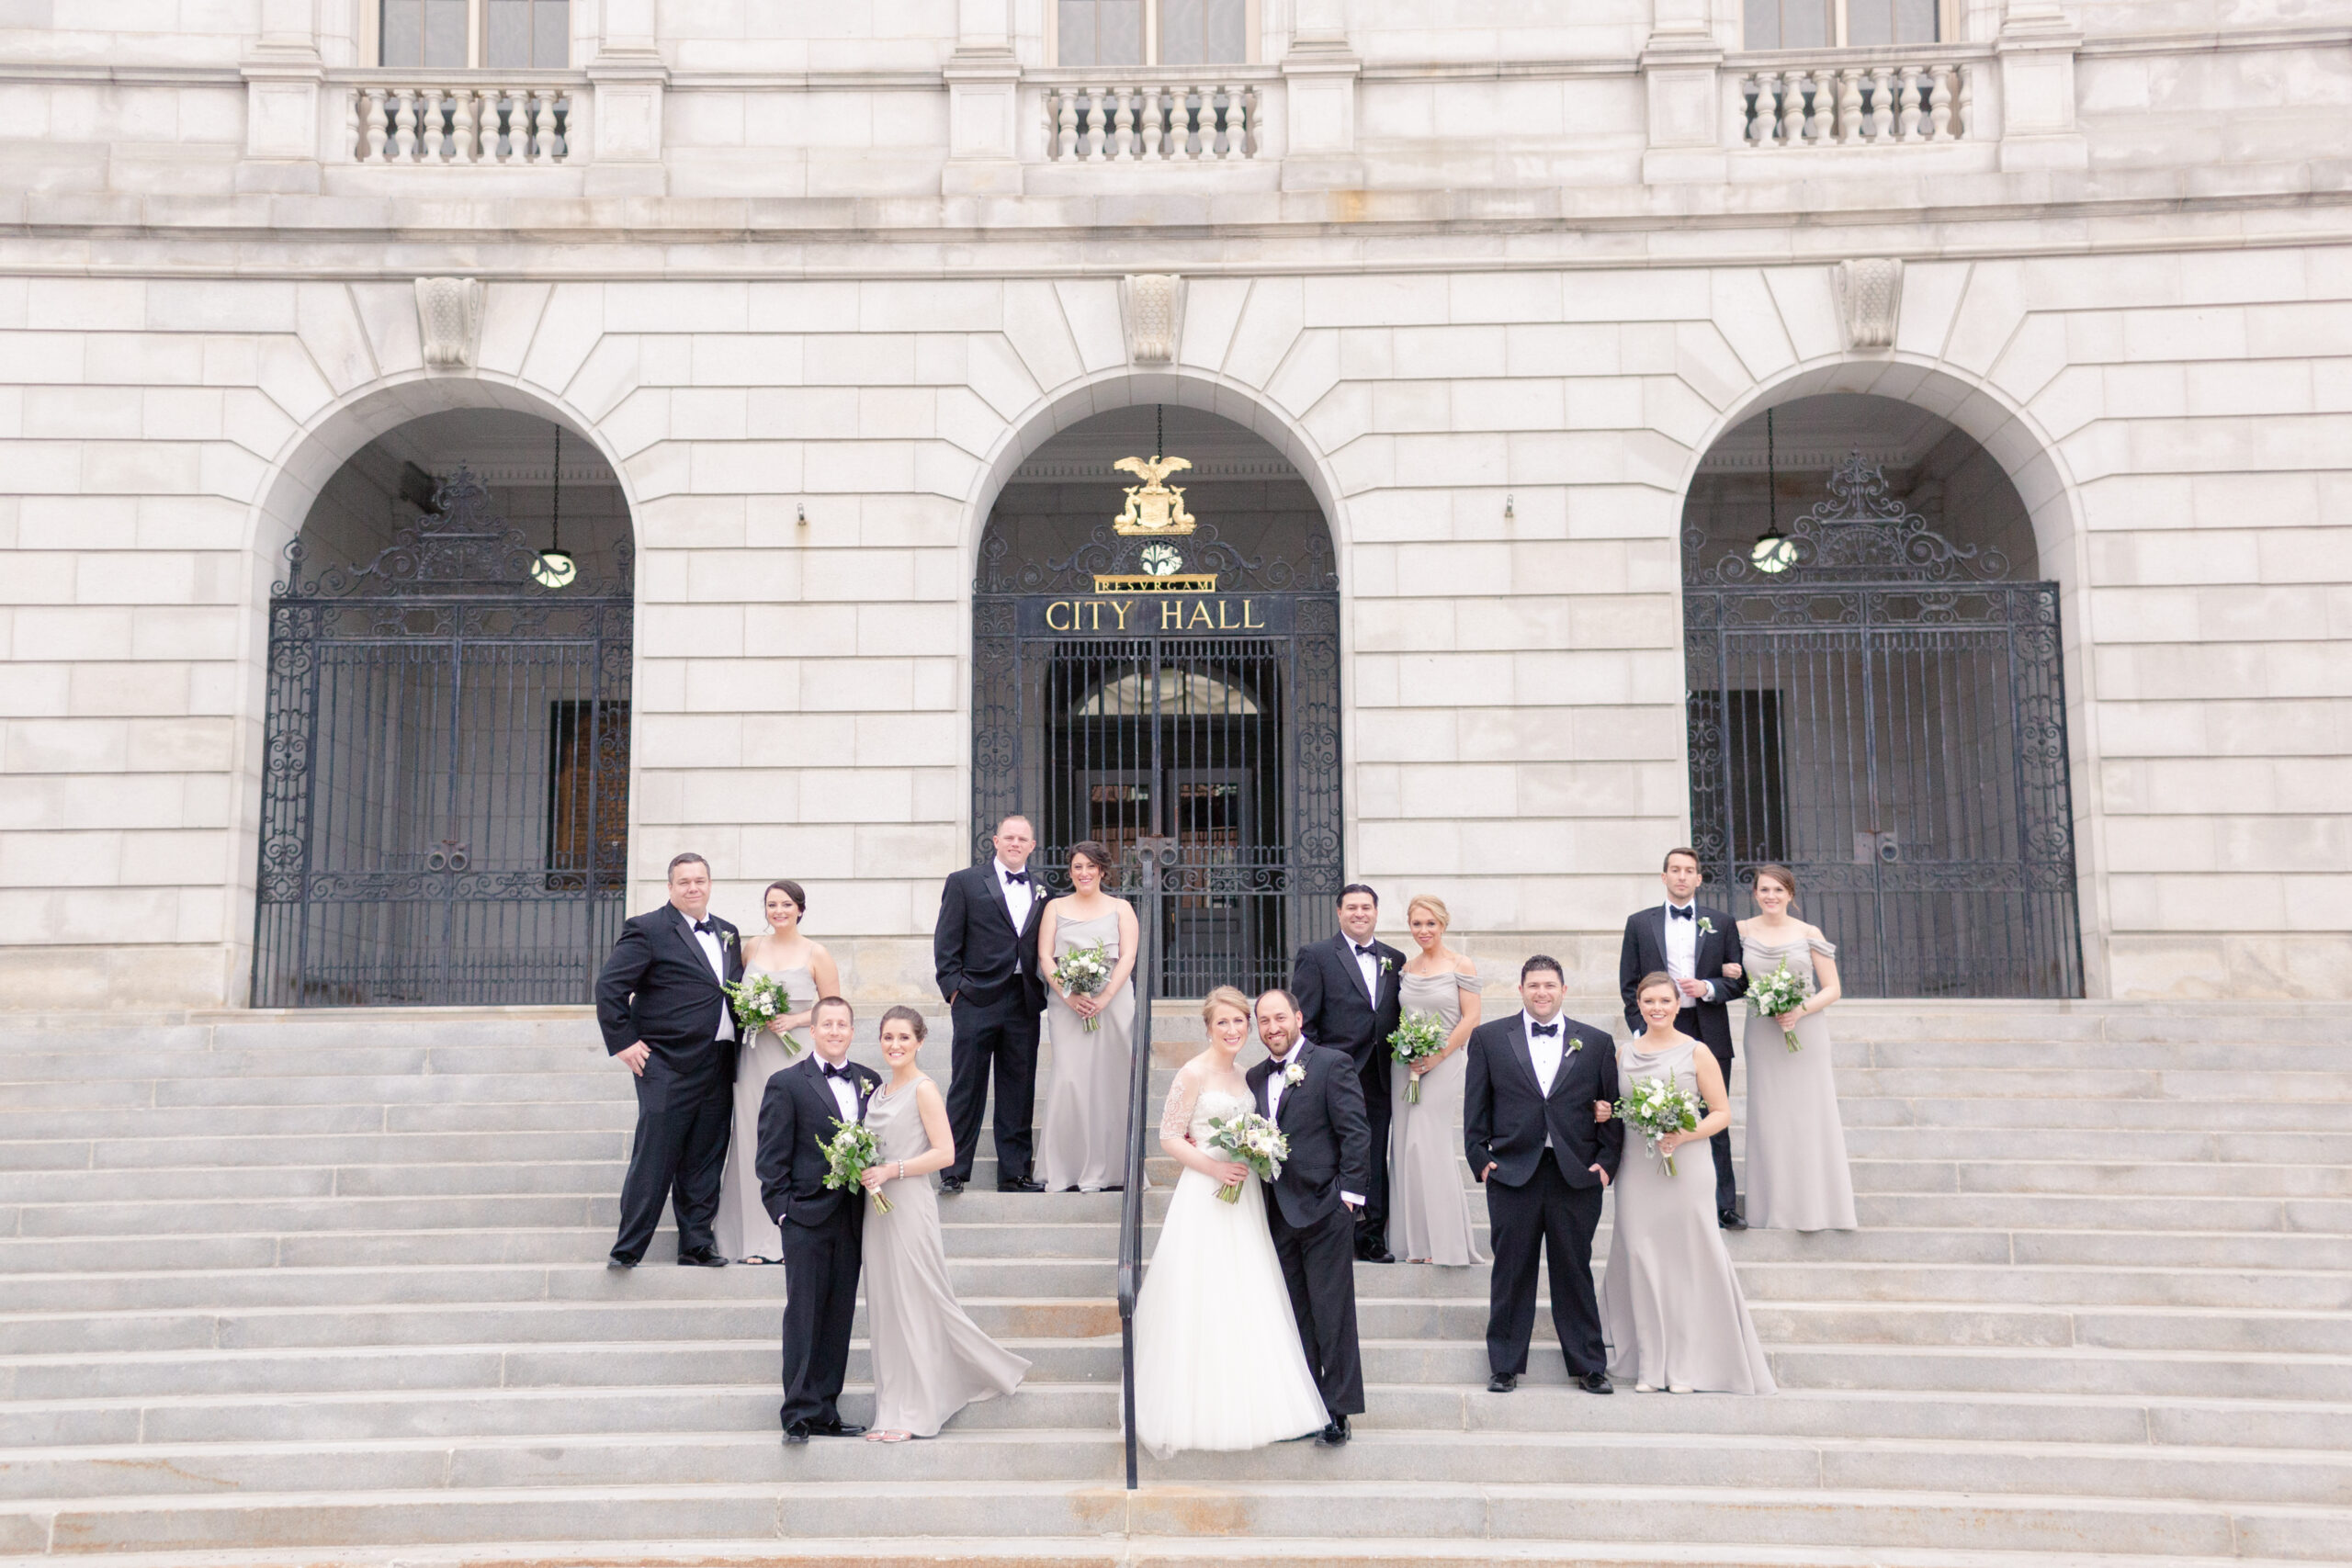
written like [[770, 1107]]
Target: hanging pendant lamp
[[555, 568]]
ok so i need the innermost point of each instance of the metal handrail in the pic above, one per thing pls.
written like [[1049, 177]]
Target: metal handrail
[[1153, 856]]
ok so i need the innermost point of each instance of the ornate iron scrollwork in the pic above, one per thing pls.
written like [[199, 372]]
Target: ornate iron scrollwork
[[1861, 534]]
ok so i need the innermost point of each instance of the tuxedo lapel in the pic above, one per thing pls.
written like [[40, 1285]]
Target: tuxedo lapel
[[1347, 953], [682, 929], [1526, 1055], [1003, 902]]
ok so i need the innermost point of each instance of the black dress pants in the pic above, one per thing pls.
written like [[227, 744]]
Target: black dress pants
[[1371, 1219], [999, 1036], [1318, 1264], [679, 1153], [821, 1264], [1726, 1187], [1560, 1219]]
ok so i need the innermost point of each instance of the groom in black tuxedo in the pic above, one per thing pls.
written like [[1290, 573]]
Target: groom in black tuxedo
[[1698, 946], [1315, 1097], [662, 1005], [1347, 990], [824, 1228], [1528, 1127], [985, 949]]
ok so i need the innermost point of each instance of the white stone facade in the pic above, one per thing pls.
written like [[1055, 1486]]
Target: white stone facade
[[1494, 280]]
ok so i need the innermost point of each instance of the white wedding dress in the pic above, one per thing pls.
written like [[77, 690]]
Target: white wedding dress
[[1218, 1364]]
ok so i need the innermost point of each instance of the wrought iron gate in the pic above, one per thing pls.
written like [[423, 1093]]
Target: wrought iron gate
[[1208, 717], [1886, 717], [444, 797]]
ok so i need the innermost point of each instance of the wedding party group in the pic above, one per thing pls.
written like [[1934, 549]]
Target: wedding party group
[[1344, 1144]]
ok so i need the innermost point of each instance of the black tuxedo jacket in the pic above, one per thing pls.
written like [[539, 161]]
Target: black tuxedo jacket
[[1330, 1138], [796, 1117], [1330, 987], [1645, 954], [974, 945], [1506, 1115], [657, 987]]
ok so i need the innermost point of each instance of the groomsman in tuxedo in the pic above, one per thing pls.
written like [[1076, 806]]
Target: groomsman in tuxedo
[[662, 1005], [1699, 947], [1315, 1097], [1347, 990], [824, 1228], [1527, 1124], [985, 949]]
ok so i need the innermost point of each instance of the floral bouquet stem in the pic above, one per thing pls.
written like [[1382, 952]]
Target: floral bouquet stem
[[848, 1156], [1253, 1141], [1420, 1035], [1777, 996]]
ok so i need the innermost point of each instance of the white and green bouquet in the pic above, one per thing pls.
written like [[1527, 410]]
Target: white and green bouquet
[[1254, 1141], [1420, 1035], [1084, 972], [1776, 996], [759, 1000], [848, 1156], [1655, 1107]]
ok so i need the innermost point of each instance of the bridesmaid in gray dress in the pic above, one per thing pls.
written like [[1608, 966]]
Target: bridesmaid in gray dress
[[1083, 1141], [745, 1231], [1797, 1175], [1429, 1202], [930, 1360], [1670, 1304]]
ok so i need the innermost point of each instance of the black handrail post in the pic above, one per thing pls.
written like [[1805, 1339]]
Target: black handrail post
[[1152, 857]]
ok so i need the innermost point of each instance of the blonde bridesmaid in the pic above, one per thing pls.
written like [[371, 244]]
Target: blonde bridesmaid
[[745, 1231], [1429, 1204]]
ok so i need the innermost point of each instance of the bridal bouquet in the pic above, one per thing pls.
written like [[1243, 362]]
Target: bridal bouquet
[[1776, 996], [1421, 1034], [1084, 972], [1655, 1107], [850, 1152], [1252, 1140], [759, 1002]]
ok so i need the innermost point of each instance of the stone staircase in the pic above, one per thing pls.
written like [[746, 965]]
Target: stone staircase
[[328, 1288]]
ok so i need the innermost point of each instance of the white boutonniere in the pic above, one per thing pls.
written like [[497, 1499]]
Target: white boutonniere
[[728, 938], [1386, 964], [1294, 1075], [1576, 1043], [1706, 925]]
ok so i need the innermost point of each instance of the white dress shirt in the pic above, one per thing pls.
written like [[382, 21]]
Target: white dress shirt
[[1547, 1051], [1367, 965], [1274, 1088], [1682, 949], [844, 1092], [1018, 897], [717, 956]]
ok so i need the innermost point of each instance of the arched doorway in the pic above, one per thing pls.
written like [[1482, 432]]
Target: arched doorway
[[1876, 698], [1132, 680], [444, 791]]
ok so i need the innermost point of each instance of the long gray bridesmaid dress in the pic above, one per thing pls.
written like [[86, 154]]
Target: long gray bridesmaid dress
[[743, 1225], [1429, 1206], [1083, 1140], [1670, 1305], [1797, 1175], [930, 1360]]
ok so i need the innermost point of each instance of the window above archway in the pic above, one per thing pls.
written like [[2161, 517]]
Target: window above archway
[[513, 35], [1840, 23], [1153, 32]]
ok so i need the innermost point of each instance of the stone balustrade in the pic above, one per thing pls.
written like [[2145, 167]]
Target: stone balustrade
[[392, 119], [1880, 101], [1181, 119]]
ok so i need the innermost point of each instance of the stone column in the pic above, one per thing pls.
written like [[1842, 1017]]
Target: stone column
[[2035, 53], [1319, 76], [983, 103], [284, 91], [625, 78], [1684, 99]]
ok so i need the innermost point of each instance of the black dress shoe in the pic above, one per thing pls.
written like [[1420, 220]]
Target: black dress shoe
[[1596, 1382], [1334, 1434], [1021, 1184], [1375, 1252], [1729, 1220], [620, 1262], [950, 1185], [1502, 1382], [836, 1428], [703, 1260], [797, 1433]]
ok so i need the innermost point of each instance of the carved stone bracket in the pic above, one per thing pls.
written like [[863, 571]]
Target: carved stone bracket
[[449, 320], [1152, 304], [1870, 301]]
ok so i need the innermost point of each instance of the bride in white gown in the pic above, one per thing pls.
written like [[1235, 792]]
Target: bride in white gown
[[1218, 1363]]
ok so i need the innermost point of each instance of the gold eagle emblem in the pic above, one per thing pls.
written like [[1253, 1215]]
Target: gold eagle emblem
[[1153, 507]]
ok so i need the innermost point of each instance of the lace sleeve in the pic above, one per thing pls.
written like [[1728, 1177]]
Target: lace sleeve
[[1176, 1116]]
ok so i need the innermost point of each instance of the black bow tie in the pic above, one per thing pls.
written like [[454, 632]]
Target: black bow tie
[[1364, 952], [843, 1071], [1553, 1028], [1013, 876], [1683, 913], [704, 927]]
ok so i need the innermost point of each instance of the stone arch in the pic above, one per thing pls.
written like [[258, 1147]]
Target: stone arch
[[2030, 459]]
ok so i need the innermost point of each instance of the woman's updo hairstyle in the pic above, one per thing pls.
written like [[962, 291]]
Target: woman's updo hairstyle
[[1782, 876], [1223, 997], [1094, 853], [1434, 905], [909, 1017], [1655, 977], [791, 890]]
